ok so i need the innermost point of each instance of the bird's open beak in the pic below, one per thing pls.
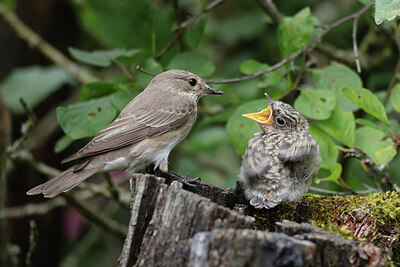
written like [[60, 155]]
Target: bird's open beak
[[211, 91], [264, 116]]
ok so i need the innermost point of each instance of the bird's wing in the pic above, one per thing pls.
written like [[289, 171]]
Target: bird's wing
[[135, 127], [256, 160], [298, 149]]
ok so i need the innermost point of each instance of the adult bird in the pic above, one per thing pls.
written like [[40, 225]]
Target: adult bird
[[280, 160], [145, 132]]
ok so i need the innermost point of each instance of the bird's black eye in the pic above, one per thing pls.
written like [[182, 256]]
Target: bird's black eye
[[192, 82], [280, 121]]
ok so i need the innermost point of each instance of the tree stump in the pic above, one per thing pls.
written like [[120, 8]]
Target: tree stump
[[181, 224]]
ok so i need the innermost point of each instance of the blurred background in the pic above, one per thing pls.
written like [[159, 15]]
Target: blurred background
[[214, 42]]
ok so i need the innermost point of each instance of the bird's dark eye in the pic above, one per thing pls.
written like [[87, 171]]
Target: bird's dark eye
[[280, 121], [192, 82]]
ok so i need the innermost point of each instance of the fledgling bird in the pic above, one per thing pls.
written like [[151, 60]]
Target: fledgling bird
[[145, 132], [280, 160]]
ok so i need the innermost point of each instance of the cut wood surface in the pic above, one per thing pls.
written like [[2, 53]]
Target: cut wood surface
[[197, 224]]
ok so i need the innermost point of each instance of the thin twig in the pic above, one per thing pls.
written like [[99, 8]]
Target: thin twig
[[355, 48], [343, 183], [33, 236], [396, 70], [177, 35], [184, 25], [290, 58], [380, 170], [25, 128], [88, 210], [32, 209], [270, 9], [144, 71], [36, 41], [326, 191]]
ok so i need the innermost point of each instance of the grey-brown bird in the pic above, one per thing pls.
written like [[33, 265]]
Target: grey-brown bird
[[145, 132], [280, 160]]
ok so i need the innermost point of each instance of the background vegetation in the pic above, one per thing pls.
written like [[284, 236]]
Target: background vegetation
[[75, 64]]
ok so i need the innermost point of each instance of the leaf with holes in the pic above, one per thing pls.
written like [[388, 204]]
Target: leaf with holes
[[327, 147], [340, 125], [86, 119], [386, 10], [316, 104], [240, 129], [335, 78], [368, 102]]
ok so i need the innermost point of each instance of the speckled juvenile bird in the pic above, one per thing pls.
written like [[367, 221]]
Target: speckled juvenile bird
[[280, 160], [145, 132]]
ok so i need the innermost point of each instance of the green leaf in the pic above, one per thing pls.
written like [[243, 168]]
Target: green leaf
[[130, 56], [316, 104], [386, 10], [33, 84], [62, 144], [335, 78], [333, 177], [150, 65], [327, 147], [86, 119], [295, 32], [375, 144], [240, 129], [395, 97], [100, 58], [193, 62], [251, 66], [207, 139], [121, 99], [341, 126], [371, 124], [96, 90], [367, 101], [195, 34]]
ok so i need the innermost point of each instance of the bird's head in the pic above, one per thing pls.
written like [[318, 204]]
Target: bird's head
[[279, 116], [183, 83]]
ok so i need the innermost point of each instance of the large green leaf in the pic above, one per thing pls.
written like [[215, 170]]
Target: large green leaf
[[336, 77], [295, 32], [374, 144], [33, 84], [386, 10], [316, 104], [395, 97], [241, 129], [96, 90], [327, 147], [341, 126], [194, 62], [368, 102], [86, 119], [269, 79], [104, 58]]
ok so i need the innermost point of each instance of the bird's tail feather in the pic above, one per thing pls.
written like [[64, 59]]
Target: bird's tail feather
[[62, 183]]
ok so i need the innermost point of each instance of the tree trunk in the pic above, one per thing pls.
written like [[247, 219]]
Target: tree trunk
[[196, 224]]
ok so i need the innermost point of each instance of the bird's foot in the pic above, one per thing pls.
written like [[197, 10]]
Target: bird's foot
[[185, 180]]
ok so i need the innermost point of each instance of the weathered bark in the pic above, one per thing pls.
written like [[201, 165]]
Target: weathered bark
[[173, 226]]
